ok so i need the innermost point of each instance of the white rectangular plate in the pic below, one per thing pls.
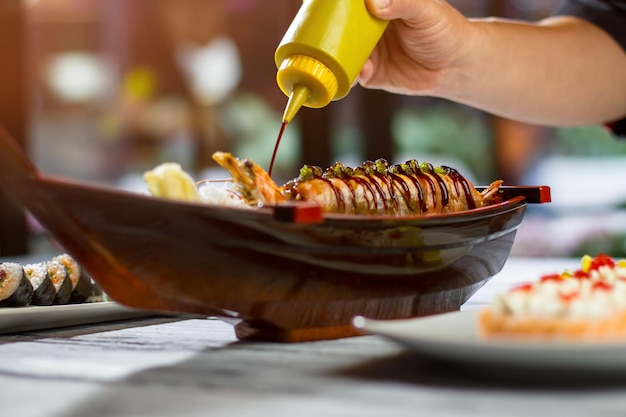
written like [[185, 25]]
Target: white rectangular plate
[[24, 319]]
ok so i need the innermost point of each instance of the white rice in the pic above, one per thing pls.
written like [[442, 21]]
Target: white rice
[[220, 193], [12, 275]]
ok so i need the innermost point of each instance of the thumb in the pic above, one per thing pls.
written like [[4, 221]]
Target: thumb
[[405, 9], [393, 9]]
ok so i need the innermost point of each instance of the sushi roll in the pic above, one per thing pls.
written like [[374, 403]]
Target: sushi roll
[[98, 294], [43, 289], [15, 288], [82, 287], [61, 281]]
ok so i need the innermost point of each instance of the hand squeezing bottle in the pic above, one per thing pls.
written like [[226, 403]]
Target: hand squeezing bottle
[[323, 51]]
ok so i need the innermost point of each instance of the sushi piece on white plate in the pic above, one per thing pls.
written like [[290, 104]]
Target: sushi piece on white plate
[[43, 289], [61, 281], [15, 288], [82, 286]]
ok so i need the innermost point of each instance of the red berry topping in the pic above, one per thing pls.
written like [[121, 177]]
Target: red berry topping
[[601, 285], [551, 277]]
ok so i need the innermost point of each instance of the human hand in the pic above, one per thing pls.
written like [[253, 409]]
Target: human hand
[[560, 71], [425, 42]]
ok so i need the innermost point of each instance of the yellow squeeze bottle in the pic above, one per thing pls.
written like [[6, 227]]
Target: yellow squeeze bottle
[[323, 51]]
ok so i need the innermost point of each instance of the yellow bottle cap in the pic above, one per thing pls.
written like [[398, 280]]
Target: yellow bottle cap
[[307, 82]]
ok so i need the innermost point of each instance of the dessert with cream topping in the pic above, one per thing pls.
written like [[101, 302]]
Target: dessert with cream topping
[[585, 304]]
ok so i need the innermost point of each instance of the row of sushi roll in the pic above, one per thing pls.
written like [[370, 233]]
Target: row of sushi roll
[[60, 280]]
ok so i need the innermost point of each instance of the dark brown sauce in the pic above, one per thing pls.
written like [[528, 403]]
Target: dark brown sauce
[[385, 179], [353, 202], [341, 202], [458, 179], [375, 193], [420, 193], [278, 139], [377, 190], [406, 191], [387, 190], [433, 192], [364, 182], [445, 196], [420, 205]]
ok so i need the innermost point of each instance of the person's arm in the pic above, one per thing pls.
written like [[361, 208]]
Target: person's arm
[[560, 71]]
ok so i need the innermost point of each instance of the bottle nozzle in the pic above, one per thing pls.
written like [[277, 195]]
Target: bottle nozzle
[[299, 95], [307, 82]]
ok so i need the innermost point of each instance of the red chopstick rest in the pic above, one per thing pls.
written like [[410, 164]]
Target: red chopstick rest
[[300, 213]]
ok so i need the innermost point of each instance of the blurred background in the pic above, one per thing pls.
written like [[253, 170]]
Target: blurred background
[[103, 90]]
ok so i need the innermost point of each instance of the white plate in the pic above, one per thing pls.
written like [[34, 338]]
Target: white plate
[[24, 319], [453, 337]]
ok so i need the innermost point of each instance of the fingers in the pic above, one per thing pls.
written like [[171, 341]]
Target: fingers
[[404, 9], [385, 9], [394, 9], [366, 73], [378, 7]]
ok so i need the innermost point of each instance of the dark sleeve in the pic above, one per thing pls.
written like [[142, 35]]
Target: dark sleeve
[[610, 15], [617, 128]]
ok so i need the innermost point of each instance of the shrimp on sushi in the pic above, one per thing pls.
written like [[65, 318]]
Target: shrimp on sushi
[[251, 181]]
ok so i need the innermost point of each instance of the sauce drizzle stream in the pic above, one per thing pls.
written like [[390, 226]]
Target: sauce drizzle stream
[[278, 139]]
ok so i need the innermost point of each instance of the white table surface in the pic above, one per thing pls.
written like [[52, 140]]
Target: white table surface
[[196, 367]]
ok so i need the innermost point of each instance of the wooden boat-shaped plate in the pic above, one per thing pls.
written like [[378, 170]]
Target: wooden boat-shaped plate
[[287, 273]]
